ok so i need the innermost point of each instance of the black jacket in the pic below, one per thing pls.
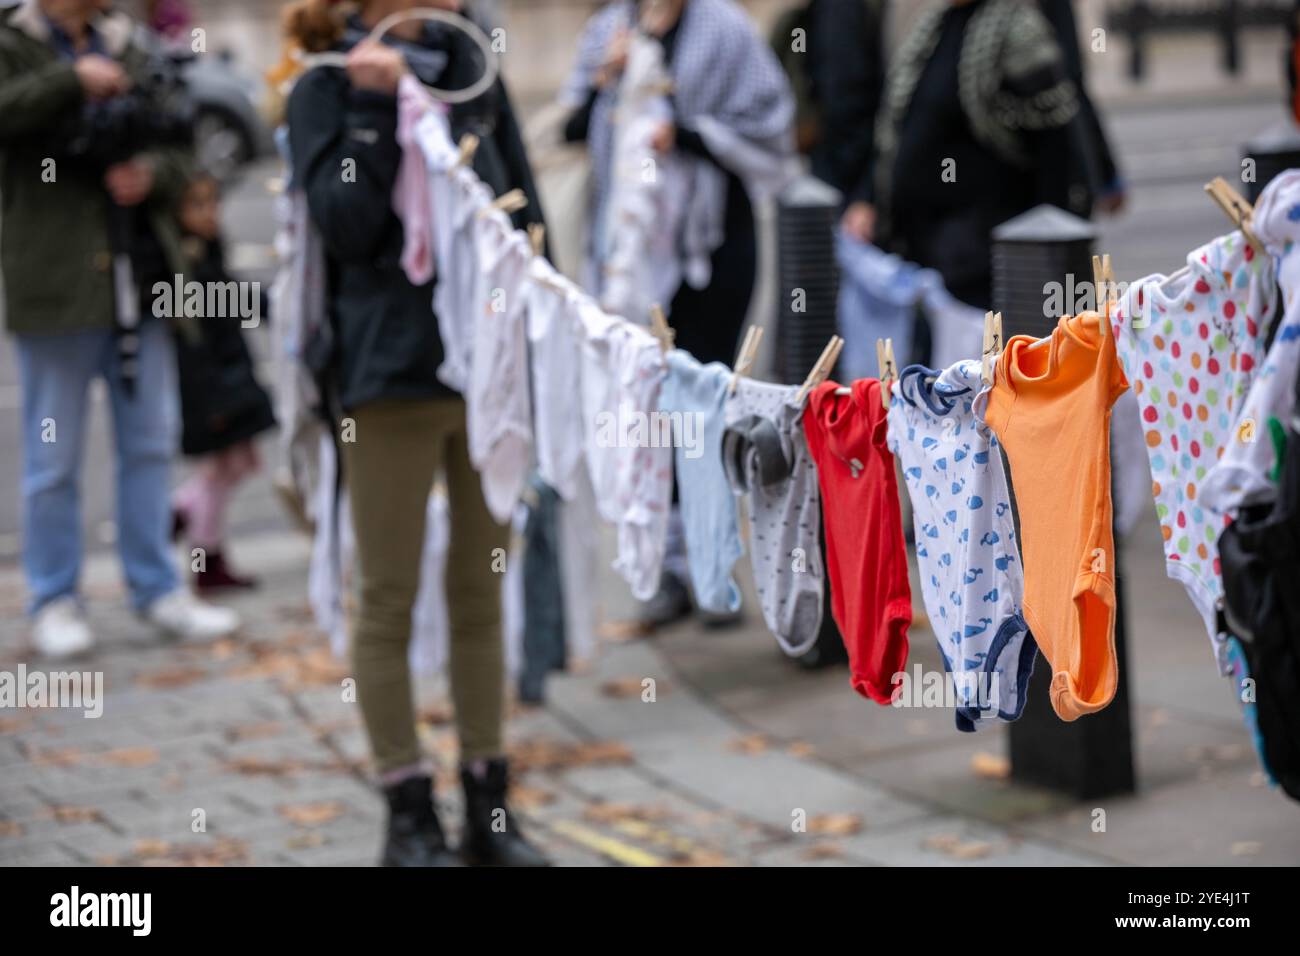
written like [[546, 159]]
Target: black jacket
[[221, 401], [385, 335]]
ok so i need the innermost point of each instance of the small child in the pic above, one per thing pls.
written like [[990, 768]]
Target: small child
[[222, 405]]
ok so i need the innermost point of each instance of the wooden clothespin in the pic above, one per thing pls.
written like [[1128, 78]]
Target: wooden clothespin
[[888, 368], [507, 203], [1237, 208], [822, 369], [1103, 280], [468, 147], [745, 357], [660, 328], [537, 237], [992, 345]]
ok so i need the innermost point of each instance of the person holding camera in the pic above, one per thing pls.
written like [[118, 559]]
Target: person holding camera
[[93, 157]]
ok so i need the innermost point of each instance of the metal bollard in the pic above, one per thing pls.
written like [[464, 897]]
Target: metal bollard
[[1092, 756], [1272, 150]]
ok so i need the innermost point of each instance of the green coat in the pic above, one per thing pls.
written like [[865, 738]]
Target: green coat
[[54, 251]]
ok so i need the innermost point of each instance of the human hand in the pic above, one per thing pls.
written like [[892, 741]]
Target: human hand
[[859, 221], [375, 67], [101, 77]]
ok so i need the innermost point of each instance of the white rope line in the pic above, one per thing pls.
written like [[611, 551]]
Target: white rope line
[[492, 67]]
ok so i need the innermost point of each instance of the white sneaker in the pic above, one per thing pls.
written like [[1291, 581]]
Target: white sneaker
[[181, 614], [60, 630]]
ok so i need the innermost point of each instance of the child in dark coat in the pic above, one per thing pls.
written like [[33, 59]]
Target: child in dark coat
[[223, 407]]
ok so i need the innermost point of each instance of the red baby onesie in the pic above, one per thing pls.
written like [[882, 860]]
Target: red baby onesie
[[870, 595]]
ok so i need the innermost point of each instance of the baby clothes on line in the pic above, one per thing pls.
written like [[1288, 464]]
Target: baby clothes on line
[[411, 198], [629, 456], [554, 343], [1191, 345], [966, 551], [695, 396], [456, 196], [498, 408], [1050, 407], [871, 599], [766, 458], [1241, 474]]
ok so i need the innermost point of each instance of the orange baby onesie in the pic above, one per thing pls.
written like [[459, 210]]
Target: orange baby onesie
[[1050, 408]]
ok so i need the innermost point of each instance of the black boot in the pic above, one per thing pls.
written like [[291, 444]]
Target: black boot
[[414, 834], [491, 836]]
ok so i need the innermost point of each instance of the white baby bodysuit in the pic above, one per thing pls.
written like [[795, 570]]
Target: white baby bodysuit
[[555, 344], [456, 195], [498, 407], [629, 457], [1241, 475], [966, 552], [1191, 344]]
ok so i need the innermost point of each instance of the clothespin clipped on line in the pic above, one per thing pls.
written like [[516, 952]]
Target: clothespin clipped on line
[[745, 357], [537, 237], [821, 369], [888, 368], [1237, 208], [1103, 281], [468, 147], [992, 346], [507, 203], [660, 328]]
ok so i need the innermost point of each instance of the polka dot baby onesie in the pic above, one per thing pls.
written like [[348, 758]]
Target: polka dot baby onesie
[[966, 551], [1191, 344]]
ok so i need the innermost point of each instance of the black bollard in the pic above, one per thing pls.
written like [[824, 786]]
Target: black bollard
[[1093, 756], [1273, 150]]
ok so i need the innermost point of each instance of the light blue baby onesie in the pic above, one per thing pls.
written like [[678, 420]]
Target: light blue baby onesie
[[708, 506]]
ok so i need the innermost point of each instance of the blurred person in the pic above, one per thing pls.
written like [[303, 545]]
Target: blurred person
[[975, 127], [168, 18], [842, 72], [724, 73], [93, 161], [409, 425], [223, 408]]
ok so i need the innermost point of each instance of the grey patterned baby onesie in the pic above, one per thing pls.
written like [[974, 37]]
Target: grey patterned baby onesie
[[766, 458]]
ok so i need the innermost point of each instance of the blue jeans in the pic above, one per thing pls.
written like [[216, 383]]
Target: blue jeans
[[56, 371]]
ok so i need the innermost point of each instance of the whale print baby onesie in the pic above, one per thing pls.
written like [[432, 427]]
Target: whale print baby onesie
[[966, 549]]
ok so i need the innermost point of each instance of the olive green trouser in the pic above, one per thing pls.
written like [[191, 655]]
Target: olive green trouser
[[390, 468]]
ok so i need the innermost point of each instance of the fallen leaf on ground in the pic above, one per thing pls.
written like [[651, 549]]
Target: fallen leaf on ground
[[257, 731], [699, 858], [525, 797], [258, 767], [628, 687], [65, 757], [823, 851], [957, 848], [801, 748], [14, 725], [69, 814], [543, 754], [835, 824], [224, 851], [620, 631], [990, 766], [151, 847], [130, 757], [10, 828], [170, 678], [312, 814], [753, 744], [616, 812], [305, 840]]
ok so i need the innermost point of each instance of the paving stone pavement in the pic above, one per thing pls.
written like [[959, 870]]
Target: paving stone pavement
[[739, 758]]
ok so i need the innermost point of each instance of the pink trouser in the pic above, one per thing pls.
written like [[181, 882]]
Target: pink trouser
[[205, 495]]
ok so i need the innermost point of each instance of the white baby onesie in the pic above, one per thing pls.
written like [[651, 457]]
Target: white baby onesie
[[629, 458], [1241, 475], [966, 552], [1191, 345], [456, 195], [555, 343], [498, 407]]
